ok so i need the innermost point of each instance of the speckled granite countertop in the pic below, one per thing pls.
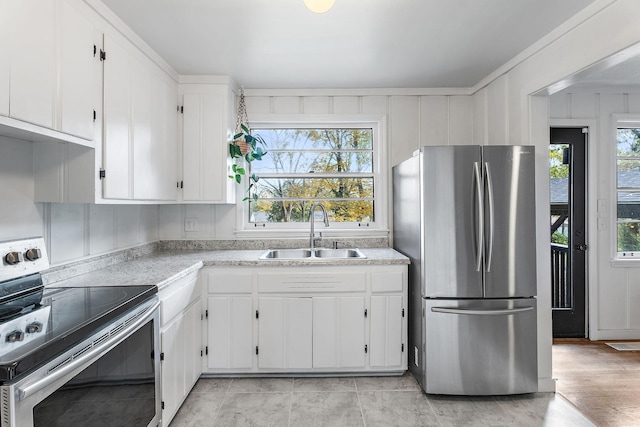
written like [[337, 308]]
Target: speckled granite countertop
[[164, 267]]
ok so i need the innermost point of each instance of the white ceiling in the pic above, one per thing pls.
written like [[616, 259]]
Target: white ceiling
[[357, 44]]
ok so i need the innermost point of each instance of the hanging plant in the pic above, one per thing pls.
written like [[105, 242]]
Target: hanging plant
[[244, 149]]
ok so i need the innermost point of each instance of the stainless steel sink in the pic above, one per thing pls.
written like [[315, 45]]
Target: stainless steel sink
[[287, 254], [338, 253], [308, 254]]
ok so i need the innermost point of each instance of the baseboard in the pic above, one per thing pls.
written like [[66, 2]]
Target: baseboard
[[546, 385], [620, 334]]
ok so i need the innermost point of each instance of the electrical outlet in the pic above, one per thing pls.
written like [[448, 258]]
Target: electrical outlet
[[191, 224]]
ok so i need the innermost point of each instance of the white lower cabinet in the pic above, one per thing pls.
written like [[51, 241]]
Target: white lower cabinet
[[180, 343], [339, 332], [230, 332], [284, 333], [306, 319]]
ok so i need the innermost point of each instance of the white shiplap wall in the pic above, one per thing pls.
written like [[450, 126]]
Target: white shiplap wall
[[412, 121], [72, 231], [615, 291]]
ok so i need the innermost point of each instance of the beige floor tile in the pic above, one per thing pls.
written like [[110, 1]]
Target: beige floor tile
[[254, 409], [324, 384], [259, 385], [315, 409], [396, 408], [198, 410], [404, 382]]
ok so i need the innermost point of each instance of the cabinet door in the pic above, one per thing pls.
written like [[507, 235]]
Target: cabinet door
[[193, 345], [230, 332], [32, 56], [204, 147], [284, 333], [173, 379], [338, 332], [77, 73], [117, 146], [385, 339], [144, 163], [5, 65], [164, 140]]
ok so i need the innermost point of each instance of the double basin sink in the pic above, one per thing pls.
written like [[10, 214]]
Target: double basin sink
[[308, 254]]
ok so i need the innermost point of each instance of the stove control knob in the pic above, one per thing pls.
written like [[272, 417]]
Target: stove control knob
[[13, 258], [14, 336], [33, 254], [34, 327]]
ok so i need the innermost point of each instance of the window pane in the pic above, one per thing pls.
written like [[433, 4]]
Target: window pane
[[315, 188], [629, 237], [628, 205], [309, 161], [628, 173], [298, 211], [314, 139], [628, 142]]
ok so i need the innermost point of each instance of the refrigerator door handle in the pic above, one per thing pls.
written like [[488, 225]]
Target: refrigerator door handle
[[489, 181], [478, 215], [476, 312]]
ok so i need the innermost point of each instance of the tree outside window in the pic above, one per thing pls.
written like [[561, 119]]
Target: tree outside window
[[334, 166]]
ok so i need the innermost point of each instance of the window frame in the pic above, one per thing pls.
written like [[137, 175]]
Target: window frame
[[379, 227], [620, 121]]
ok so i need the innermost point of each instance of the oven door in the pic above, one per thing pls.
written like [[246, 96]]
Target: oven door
[[109, 379]]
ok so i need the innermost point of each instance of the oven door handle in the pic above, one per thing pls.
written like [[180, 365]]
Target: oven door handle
[[89, 357]]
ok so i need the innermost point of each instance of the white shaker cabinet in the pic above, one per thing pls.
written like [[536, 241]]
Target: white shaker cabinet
[[140, 140], [207, 126], [32, 59], [230, 319], [339, 332], [230, 332], [285, 333], [5, 65], [312, 319], [387, 316], [48, 69], [79, 66], [180, 342]]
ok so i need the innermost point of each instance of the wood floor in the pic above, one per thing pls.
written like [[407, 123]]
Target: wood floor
[[603, 383]]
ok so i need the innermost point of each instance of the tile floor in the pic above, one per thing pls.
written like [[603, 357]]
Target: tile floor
[[361, 401]]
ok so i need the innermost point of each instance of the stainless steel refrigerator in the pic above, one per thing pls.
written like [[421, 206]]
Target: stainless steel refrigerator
[[465, 215]]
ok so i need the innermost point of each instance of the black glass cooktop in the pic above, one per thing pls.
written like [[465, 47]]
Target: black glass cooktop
[[64, 317]]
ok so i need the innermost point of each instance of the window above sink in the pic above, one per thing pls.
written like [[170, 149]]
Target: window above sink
[[336, 160]]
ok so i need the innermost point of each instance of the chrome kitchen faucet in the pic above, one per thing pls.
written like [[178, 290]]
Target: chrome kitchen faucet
[[312, 221]]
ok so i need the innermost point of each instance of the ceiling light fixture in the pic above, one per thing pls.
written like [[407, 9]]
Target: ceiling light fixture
[[319, 6]]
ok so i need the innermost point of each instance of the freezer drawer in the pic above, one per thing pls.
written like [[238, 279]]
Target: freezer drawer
[[480, 347]]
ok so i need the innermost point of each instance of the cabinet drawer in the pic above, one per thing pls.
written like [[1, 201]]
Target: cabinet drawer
[[229, 282], [388, 281], [175, 298], [311, 282]]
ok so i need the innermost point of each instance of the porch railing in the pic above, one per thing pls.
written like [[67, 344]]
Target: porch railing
[[560, 285]]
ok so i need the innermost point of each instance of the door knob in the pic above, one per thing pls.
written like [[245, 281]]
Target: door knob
[[582, 247]]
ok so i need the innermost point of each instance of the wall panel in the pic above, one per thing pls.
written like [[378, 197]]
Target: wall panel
[[434, 120]]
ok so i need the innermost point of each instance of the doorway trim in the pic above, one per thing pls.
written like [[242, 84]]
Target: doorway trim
[[592, 217]]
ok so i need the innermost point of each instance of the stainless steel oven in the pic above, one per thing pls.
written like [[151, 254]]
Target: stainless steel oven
[[76, 356]]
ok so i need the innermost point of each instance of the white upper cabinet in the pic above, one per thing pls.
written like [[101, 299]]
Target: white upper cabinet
[[47, 70], [32, 60], [78, 56], [117, 139], [140, 130], [5, 66], [206, 131], [119, 93]]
